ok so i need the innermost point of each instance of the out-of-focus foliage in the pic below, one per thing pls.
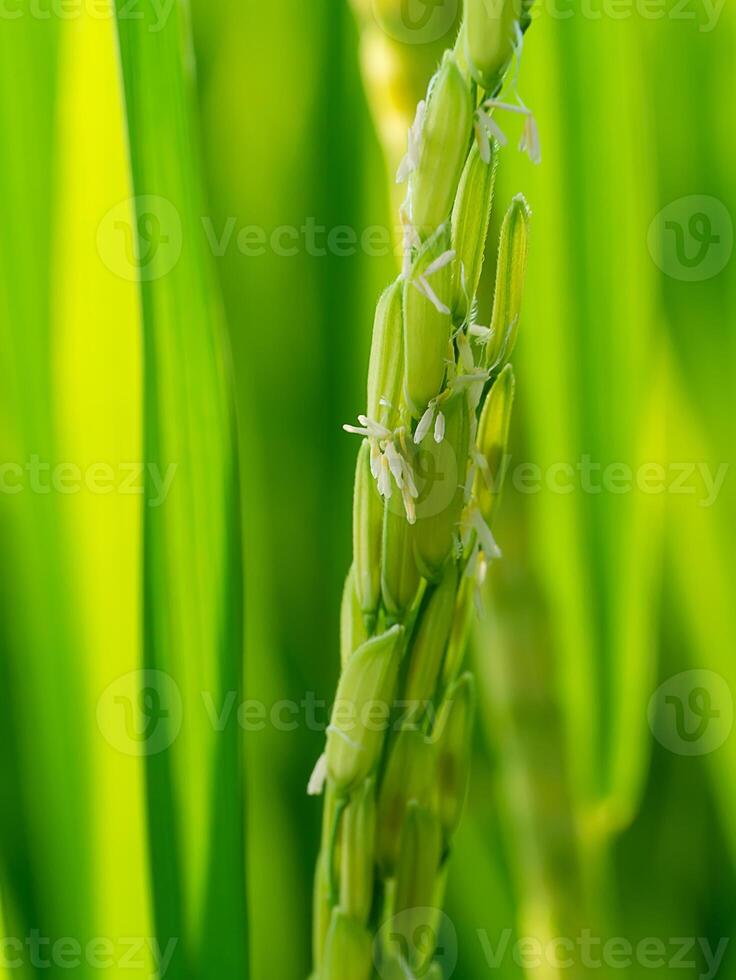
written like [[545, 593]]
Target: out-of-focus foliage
[[192, 555], [578, 816]]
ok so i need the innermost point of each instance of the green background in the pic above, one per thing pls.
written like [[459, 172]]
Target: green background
[[578, 818]]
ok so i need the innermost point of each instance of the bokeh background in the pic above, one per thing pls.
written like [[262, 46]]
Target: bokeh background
[[200, 220]]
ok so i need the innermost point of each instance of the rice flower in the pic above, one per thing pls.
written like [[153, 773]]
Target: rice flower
[[427, 321], [444, 467], [367, 534], [348, 949], [416, 873], [492, 440], [386, 365], [489, 35], [399, 573], [358, 854], [510, 274], [453, 733], [409, 777], [353, 632], [367, 684], [428, 648], [437, 151], [471, 215]]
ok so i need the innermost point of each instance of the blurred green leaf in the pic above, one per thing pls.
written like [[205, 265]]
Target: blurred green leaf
[[192, 557], [45, 886]]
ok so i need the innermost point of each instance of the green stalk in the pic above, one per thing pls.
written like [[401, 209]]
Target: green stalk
[[433, 438]]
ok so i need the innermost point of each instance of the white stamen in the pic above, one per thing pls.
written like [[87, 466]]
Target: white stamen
[[482, 334], [317, 780], [439, 428], [394, 462], [346, 738], [519, 110], [414, 145], [424, 423], [423, 286], [440, 262], [422, 283], [530, 138], [375, 428], [484, 144], [490, 127], [369, 427], [418, 124], [405, 168], [384, 479], [409, 479], [529, 142], [411, 514], [485, 536], [375, 459]]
